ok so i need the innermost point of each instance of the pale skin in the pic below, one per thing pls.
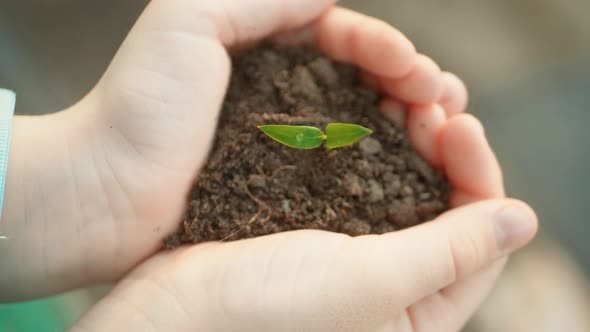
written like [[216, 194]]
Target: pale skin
[[92, 190]]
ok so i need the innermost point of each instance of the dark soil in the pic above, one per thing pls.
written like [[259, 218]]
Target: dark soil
[[254, 186]]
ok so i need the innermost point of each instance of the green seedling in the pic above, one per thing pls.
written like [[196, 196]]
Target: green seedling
[[306, 137]]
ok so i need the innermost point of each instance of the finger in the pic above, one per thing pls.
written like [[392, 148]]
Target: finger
[[372, 44], [381, 275], [468, 160], [422, 85], [454, 96], [467, 157], [393, 111], [451, 308], [231, 21], [381, 51], [459, 243], [424, 125]]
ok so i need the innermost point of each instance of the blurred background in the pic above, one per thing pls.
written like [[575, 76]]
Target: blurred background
[[527, 66]]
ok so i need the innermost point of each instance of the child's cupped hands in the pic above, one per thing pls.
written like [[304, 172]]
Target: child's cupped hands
[[145, 130]]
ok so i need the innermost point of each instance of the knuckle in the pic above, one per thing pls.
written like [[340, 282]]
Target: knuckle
[[470, 249]]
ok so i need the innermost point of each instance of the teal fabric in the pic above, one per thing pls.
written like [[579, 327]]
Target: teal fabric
[[47, 315]]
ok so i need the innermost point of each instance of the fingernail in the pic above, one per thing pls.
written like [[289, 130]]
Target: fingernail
[[514, 227]]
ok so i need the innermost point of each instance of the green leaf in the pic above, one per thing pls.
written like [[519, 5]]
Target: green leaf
[[299, 137], [343, 134]]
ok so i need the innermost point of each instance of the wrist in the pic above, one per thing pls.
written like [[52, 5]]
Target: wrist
[[50, 173], [37, 166]]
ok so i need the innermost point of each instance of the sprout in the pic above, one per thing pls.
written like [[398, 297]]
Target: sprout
[[306, 137]]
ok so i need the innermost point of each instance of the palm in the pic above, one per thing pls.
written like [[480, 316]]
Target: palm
[[162, 105]]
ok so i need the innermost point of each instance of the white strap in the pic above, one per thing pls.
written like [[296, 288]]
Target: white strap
[[7, 100]]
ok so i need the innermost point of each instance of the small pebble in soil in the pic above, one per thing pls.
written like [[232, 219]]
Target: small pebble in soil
[[370, 146]]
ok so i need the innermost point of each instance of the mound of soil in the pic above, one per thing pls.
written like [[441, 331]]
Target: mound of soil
[[254, 186]]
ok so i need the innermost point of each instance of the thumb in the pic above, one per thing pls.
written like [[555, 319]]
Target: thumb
[[166, 84], [461, 242]]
